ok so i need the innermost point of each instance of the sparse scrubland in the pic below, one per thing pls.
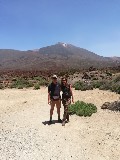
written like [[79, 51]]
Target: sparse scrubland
[[81, 80], [25, 133], [24, 130], [112, 84]]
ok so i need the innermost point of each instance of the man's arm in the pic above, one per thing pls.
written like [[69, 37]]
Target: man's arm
[[48, 97], [49, 91]]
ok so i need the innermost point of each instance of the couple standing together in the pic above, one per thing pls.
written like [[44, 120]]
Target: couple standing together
[[54, 98]]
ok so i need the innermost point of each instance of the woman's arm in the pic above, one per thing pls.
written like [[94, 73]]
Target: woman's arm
[[71, 93]]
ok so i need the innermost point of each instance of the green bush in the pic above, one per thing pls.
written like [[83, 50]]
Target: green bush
[[20, 87], [36, 86], [78, 85], [41, 81], [106, 86], [115, 88], [21, 83], [117, 79], [29, 85], [113, 85], [118, 90], [97, 84], [81, 108], [82, 86], [1, 86]]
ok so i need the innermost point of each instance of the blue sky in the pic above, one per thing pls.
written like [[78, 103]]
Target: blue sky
[[89, 24]]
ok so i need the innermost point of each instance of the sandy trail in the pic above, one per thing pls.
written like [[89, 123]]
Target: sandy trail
[[24, 135]]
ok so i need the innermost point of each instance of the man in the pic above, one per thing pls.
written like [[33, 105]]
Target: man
[[54, 97]]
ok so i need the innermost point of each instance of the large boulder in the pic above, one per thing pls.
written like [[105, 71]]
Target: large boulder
[[114, 106]]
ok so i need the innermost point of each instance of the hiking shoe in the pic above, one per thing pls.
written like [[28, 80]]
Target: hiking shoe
[[63, 123], [59, 120], [50, 121]]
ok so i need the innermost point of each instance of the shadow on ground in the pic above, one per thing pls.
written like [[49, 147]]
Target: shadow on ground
[[50, 123]]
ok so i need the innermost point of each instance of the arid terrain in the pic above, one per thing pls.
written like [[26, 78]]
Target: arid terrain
[[26, 135]]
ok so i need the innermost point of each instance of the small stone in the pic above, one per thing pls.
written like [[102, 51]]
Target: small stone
[[25, 102]]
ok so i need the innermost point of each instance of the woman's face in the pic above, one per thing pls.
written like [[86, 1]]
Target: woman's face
[[63, 81]]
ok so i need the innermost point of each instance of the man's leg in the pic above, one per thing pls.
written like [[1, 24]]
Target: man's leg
[[51, 109], [58, 105]]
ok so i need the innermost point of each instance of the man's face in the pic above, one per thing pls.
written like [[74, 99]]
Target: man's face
[[54, 80]]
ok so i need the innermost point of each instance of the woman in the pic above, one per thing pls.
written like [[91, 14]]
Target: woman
[[66, 98]]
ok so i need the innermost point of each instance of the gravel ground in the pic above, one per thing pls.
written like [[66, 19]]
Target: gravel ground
[[26, 135]]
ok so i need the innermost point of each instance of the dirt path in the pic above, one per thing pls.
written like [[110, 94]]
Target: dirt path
[[24, 135]]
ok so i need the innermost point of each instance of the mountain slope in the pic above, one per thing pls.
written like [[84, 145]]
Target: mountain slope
[[58, 56], [67, 50]]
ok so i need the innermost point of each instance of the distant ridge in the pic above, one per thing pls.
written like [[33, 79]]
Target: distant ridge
[[58, 56]]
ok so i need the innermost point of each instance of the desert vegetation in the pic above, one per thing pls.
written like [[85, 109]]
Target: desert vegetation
[[34, 82], [81, 108], [24, 82], [112, 85], [105, 79]]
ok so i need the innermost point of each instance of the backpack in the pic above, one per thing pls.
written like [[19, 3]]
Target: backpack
[[54, 90]]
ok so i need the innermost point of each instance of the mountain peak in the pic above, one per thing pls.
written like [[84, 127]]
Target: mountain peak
[[63, 44]]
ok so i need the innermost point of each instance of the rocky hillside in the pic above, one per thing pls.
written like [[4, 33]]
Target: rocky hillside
[[58, 56]]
